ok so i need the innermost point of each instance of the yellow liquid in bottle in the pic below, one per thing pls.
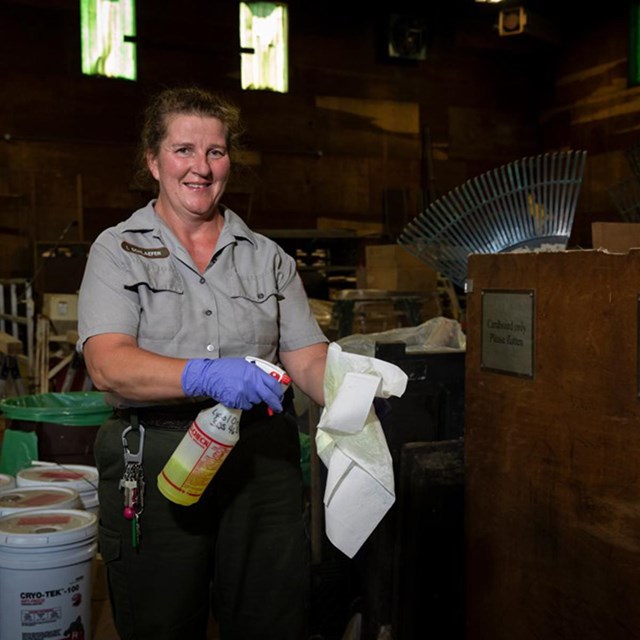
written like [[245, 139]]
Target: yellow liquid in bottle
[[189, 470]]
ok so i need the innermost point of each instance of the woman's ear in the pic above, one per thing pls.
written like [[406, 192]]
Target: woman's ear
[[152, 163]]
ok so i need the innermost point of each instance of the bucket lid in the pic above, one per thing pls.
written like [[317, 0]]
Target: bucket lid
[[47, 527], [80, 477], [44, 497]]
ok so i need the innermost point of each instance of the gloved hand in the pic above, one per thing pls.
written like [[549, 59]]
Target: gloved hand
[[233, 381]]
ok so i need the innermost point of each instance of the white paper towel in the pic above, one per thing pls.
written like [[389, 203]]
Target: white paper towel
[[350, 442]]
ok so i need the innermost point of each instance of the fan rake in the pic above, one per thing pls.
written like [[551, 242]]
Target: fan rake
[[626, 198], [626, 194], [525, 204]]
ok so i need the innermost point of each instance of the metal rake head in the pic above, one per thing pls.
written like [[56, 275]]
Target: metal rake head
[[633, 158], [626, 198], [523, 204], [626, 194]]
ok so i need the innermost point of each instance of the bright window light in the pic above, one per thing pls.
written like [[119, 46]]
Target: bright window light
[[106, 25], [264, 33]]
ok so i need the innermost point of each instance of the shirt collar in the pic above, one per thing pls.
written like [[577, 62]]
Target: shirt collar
[[236, 227], [146, 220]]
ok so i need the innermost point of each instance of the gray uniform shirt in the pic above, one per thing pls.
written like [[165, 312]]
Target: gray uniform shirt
[[140, 281]]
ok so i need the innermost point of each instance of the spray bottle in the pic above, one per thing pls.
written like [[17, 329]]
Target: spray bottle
[[206, 445]]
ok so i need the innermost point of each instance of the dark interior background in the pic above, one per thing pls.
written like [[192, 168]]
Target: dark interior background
[[360, 136]]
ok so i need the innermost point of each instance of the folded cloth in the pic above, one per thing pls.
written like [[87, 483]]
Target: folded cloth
[[352, 445]]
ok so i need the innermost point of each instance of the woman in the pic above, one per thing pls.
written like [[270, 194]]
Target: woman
[[171, 302]]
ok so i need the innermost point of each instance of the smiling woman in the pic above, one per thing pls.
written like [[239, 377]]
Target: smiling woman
[[192, 168], [172, 301]]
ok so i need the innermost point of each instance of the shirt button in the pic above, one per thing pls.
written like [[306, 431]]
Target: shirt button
[[208, 312], [202, 280], [210, 347], [260, 296]]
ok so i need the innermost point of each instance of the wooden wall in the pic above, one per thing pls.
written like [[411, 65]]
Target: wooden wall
[[592, 107], [359, 136]]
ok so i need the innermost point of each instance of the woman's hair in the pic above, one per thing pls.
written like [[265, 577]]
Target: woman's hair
[[186, 101]]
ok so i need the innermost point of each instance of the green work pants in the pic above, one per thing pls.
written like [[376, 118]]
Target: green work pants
[[241, 549]]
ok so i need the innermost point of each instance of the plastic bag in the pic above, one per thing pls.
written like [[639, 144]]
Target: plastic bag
[[75, 408], [437, 334], [19, 448]]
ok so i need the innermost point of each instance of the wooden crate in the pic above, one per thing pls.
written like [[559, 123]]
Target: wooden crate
[[552, 461]]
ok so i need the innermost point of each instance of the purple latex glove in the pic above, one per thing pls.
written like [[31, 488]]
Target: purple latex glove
[[234, 382]]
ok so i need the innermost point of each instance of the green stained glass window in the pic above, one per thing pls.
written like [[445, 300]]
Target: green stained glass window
[[264, 34], [108, 28]]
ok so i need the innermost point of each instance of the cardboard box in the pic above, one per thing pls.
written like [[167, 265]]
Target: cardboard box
[[60, 306], [62, 311], [617, 237], [390, 279], [392, 268], [391, 255]]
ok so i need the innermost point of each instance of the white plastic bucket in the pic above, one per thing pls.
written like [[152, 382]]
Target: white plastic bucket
[[82, 478], [89, 501], [7, 481], [46, 574], [44, 497]]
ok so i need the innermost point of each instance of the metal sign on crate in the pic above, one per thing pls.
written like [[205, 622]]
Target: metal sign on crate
[[507, 332]]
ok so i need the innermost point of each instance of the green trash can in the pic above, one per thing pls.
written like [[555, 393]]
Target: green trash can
[[64, 424]]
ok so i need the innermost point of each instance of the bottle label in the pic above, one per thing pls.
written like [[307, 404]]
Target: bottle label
[[198, 457]]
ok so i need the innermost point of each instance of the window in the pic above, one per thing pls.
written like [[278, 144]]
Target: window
[[107, 30], [264, 46]]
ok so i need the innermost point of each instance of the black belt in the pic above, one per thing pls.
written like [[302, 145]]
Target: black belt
[[180, 416]]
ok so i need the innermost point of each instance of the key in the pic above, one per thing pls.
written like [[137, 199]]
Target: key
[[138, 494], [135, 531], [130, 487], [132, 484]]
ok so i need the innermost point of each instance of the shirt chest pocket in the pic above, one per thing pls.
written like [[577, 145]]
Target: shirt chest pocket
[[160, 293], [254, 299]]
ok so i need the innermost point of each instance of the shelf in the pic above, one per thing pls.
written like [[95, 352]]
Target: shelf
[[309, 234]]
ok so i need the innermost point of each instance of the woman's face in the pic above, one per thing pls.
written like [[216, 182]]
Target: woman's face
[[192, 166]]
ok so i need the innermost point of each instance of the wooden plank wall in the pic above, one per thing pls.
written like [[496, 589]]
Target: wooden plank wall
[[350, 131], [592, 107], [359, 136]]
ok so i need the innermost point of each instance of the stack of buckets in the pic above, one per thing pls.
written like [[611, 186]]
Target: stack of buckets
[[48, 544]]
